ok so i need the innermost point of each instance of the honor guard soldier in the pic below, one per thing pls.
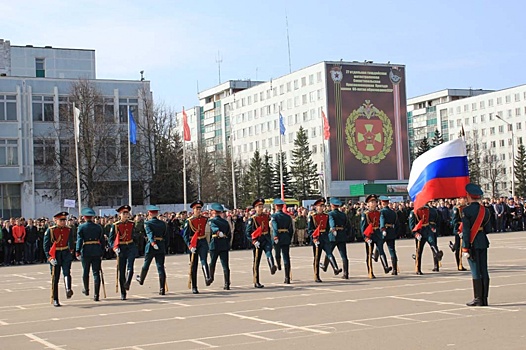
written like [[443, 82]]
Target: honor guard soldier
[[258, 232], [282, 232], [434, 224], [388, 226], [318, 232], [59, 246], [456, 222], [338, 229], [219, 243], [195, 227], [476, 224], [370, 226], [121, 239], [90, 247], [419, 225], [156, 232]]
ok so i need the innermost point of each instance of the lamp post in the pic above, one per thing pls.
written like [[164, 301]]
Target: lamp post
[[512, 154]]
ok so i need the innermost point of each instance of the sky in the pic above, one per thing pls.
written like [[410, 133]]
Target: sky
[[443, 43]]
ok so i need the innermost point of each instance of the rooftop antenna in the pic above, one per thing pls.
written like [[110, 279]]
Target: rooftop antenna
[[219, 59], [288, 40], [142, 75]]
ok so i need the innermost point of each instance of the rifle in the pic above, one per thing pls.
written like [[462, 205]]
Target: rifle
[[102, 280]]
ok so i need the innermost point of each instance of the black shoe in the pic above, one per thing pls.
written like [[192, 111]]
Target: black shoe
[[451, 246], [162, 292], [273, 269], [475, 302], [414, 257], [195, 291], [123, 296], [287, 281], [462, 269], [96, 298], [318, 280], [435, 269], [85, 292], [258, 285], [69, 294], [419, 273], [376, 255], [56, 303], [138, 279]]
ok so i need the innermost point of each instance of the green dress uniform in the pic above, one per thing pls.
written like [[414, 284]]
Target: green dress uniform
[[475, 244], [388, 224], [90, 246], [338, 231], [419, 224], [282, 233], [263, 243], [434, 224], [456, 247], [63, 239], [219, 244], [156, 232]]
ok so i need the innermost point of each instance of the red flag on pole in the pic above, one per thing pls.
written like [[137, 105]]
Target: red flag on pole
[[257, 233], [117, 241], [368, 231], [316, 233], [193, 241], [326, 127], [53, 251], [186, 128], [419, 225]]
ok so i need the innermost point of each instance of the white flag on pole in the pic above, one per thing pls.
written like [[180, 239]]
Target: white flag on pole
[[76, 115]]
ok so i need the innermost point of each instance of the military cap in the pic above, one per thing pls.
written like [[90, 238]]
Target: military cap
[[384, 198], [371, 197], [152, 208], [511, 199], [217, 207], [61, 215], [259, 201], [197, 202], [335, 201], [474, 190], [87, 212], [320, 201], [123, 207], [278, 201]]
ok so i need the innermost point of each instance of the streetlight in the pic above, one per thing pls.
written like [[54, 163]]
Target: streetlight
[[512, 154]]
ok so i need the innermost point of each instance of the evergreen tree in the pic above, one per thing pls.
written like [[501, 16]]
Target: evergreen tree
[[255, 173], [267, 191], [438, 139], [474, 161], [303, 169], [423, 147], [520, 171], [287, 179], [243, 186]]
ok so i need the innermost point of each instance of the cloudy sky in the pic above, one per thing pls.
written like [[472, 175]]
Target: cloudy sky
[[444, 44]]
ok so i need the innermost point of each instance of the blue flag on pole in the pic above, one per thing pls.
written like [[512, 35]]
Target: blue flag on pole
[[133, 128], [281, 125]]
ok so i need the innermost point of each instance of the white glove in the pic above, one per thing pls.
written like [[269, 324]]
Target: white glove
[[220, 234], [193, 250], [384, 233], [117, 251], [418, 237], [334, 232], [460, 234], [155, 246], [53, 262], [316, 243], [276, 240], [466, 255], [257, 244], [368, 240]]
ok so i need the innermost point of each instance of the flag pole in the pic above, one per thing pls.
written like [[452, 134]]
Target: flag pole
[[232, 163], [129, 160], [324, 164], [282, 188], [184, 164], [76, 122]]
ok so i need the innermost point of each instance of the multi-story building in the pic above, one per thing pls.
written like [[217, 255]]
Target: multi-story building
[[35, 86]]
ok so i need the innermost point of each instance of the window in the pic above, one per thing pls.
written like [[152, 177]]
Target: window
[[249, 100], [492, 130], [304, 99], [124, 104], [481, 105], [482, 118], [296, 84], [451, 124], [303, 81], [499, 100], [10, 201], [313, 132], [291, 137], [40, 68], [466, 108], [43, 108], [281, 89], [466, 121], [8, 152], [288, 87], [509, 113], [474, 119], [474, 106], [44, 152], [483, 132], [311, 79], [7, 107], [255, 98], [318, 77], [518, 126], [105, 112], [508, 98], [305, 116], [517, 97], [501, 143], [493, 144], [314, 149], [517, 112], [490, 103], [501, 128]]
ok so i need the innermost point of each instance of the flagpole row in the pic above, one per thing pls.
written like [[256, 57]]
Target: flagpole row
[[76, 123]]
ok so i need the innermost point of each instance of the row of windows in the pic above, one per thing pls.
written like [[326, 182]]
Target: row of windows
[[252, 146], [482, 104], [482, 118]]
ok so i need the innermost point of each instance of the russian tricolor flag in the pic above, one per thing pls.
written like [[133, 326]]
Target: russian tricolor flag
[[441, 172]]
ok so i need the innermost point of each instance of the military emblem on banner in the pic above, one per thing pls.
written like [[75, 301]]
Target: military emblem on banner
[[395, 75], [336, 74], [369, 134]]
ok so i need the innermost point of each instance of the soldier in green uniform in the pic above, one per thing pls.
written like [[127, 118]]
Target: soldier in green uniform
[[456, 221], [434, 224], [219, 242], [338, 230], [125, 248], [58, 247], [388, 226], [282, 232], [155, 233], [419, 223], [262, 243], [476, 224], [90, 247]]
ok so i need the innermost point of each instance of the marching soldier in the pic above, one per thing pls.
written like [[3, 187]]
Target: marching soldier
[[434, 224], [196, 225], [338, 228], [476, 224], [456, 221], [388, 226], [370, 226], [124, 247], [90, 247], [262, 241], [59, 247], [155, 247], [219, 243], [318, 232], [419, 225], [282, 232]]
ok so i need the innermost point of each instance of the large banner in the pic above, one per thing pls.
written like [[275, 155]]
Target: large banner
[[367, 116]]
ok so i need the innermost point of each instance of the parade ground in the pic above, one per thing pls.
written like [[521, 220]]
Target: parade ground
[[391, 312]]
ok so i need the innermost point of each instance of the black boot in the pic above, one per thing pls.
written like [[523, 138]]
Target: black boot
[[325, 264], [477, 293], [206, 273], [194, 278], [129, 276], [369, 260], [345, 264], [287, 274], [85, 285], [394, 261], [162, 284], [227, 280], [435, 265], [334, 265], [67, 283], [212, 273], [123, 295], [418, 259], [272, 266], [97, 290], [55, 292], [316, 266], [438, 254], [141, 278], [278, 262], [485, 291], [386, 267], [376, 255]]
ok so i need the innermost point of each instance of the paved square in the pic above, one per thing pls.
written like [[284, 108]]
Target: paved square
[[395, 312]]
